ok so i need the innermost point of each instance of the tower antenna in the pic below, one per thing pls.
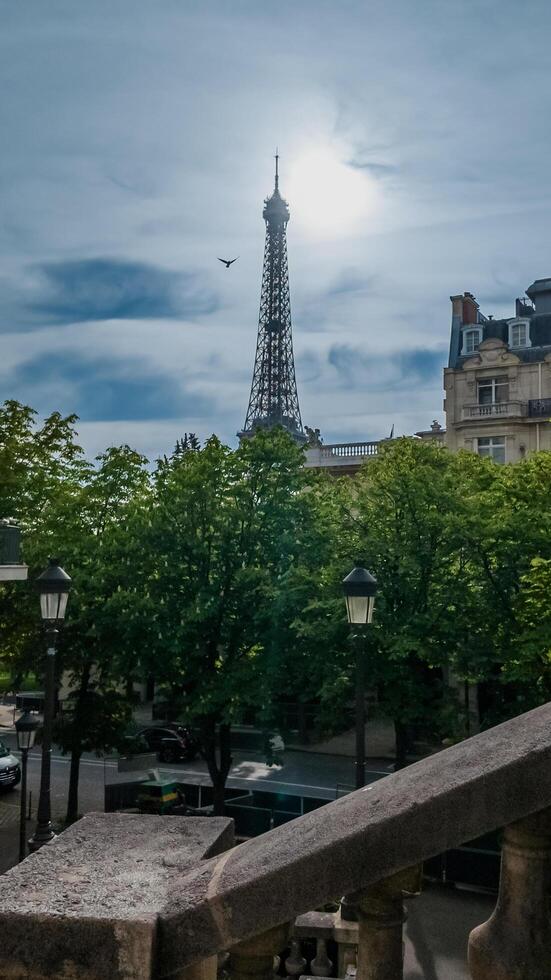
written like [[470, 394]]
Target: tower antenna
[[277, 169]]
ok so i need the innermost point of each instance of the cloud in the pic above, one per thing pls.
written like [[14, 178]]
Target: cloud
[[352, 280], [356, 368], [100, 390], [317, 310], [375, 169], [117, 147], [79, 290]]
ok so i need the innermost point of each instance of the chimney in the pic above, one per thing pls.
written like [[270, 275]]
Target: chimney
[[540, 294], [470, 309]]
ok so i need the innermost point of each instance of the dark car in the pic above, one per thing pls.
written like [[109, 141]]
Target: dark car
[[171, 742], [10, 771]]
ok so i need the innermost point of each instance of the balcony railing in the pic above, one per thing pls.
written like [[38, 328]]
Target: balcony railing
[[340, 453], [509, 409], [130, 897], [539, 408]]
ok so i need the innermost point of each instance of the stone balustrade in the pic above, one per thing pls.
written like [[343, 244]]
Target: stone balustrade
[[121, 897], [508, 409], [340, 455]]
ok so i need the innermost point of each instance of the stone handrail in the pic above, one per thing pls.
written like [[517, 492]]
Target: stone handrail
[[177, 909]]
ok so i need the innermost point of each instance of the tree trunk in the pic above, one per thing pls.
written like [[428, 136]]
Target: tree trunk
[[218, 762], [72, 798], [76, 747], [218, 785], [303, 736], [402, 740]]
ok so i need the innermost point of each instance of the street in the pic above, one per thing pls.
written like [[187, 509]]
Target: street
[[317, 775]]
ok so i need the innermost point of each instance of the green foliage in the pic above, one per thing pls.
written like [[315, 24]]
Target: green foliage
[[224, 531], [98, 721], [220, 573]]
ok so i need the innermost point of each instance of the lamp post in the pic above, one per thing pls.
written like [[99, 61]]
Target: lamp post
[[26, 728], [53, 587], [359, 589]]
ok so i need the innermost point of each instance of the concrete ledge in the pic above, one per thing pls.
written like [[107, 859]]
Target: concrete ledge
[[87, 905], [121, 897], [485, 782]]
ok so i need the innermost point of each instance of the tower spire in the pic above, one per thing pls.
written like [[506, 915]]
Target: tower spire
[[274, 397]]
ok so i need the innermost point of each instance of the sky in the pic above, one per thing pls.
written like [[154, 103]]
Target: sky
[[137, 147]]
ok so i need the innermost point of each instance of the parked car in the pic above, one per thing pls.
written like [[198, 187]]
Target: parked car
[[10, 770], [171, 742]]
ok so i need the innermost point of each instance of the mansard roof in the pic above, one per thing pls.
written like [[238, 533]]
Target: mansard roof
[[539, 333]]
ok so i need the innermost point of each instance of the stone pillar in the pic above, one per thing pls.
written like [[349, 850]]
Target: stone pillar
[[515, 942], [253, 959], [381, 916]]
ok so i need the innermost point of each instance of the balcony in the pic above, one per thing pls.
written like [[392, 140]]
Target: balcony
[[539, 408], [131, 897], [495, 410]]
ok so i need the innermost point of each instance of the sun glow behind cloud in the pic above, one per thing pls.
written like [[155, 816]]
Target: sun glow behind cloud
[[328, 198]]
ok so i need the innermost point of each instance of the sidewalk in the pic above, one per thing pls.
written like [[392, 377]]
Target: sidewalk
[[6, 716], [379, 742]]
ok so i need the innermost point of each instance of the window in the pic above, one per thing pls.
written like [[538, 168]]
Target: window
[[493, 447], [493, 391], [471, 340], [518, 335]]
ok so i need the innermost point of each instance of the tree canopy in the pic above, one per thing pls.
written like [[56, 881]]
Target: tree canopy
[[218, 571]]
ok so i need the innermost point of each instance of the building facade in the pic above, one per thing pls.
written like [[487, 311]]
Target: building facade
[[498, 380]]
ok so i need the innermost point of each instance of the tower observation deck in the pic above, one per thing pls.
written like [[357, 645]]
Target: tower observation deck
[[274, 398]]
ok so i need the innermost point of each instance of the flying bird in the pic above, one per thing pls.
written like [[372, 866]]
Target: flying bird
[[228, 262]]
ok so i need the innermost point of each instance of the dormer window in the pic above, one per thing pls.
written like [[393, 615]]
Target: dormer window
[[518, 334], [471, 340]]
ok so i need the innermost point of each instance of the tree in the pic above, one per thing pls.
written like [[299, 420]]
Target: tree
[[528, 666], [223, 534], [42, 468], [397, 518], [93, 720], [505, 521], [100, 648]]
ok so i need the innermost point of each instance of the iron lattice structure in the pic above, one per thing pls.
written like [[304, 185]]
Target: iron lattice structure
[[274, 396]]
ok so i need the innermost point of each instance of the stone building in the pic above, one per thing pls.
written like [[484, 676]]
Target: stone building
[[498, 381]]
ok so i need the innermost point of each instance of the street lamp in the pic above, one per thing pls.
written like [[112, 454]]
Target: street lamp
[[26, 728], [359, 589], [53, 587]]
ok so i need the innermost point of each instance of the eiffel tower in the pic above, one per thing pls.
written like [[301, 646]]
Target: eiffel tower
[[274, 398]]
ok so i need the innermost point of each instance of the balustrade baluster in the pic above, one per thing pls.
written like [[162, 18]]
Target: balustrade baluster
[[321, 965], [515, 942], [295, 962], [253, 959], [381, 916]]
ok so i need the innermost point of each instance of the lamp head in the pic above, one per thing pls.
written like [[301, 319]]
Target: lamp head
[[26, 728], [359, 588], [53, 587]]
